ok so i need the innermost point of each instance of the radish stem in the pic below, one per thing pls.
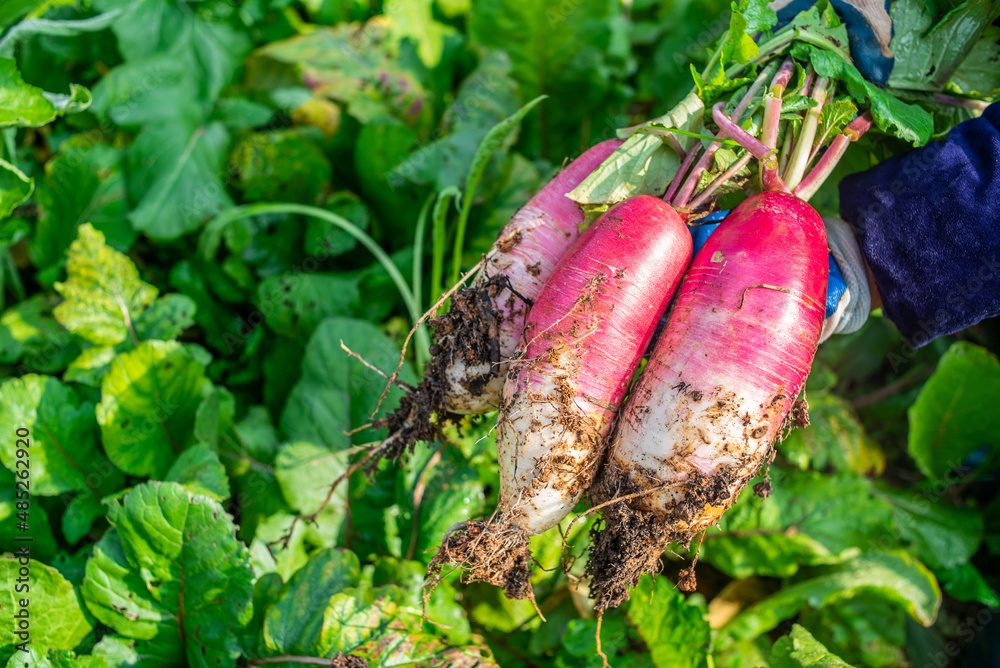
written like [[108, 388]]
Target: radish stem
[[719, 181], [819, 174], [756, 147], [692, 180], [800, 156], [771, 124]]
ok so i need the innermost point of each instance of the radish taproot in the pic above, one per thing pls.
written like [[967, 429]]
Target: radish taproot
[[477, 337], [583, 341], [706, 411]]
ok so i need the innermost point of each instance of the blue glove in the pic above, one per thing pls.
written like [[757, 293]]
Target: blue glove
[[869, 28]]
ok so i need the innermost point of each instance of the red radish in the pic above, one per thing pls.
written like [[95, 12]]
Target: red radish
[[583, 341], [477, 337], [704, 415]]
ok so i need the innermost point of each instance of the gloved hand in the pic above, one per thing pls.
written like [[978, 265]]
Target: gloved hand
[[869, 28], [848, 300]]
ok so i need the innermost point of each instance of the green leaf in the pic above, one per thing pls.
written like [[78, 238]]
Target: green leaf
[[557, 49], [909, 122], [336, 393], [965, 583], [80, 515], [674, 630], [118, 652], [174, 176], [800, 649], [443, 607], [148, 403], [954, 413], [22, 104], [414, 19], [32, 27], [84, 183], [63, 453], [89, 367], [296, 303], [57, 617], [15, 187], [172, 576], [644, 164], [305, 472], [892, 575], [486, 97], [103, 292], [43, 543], [380, 147], [944, 536], [28, 332], [166, 318], [296, 622], [199, 471], [809, 519], [52, 658], [979, 73], [834, 438], [281, 165], [929, 49], [14, 9], [864, 630]]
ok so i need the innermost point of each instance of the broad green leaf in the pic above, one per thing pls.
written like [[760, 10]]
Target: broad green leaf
[[57, 618], [417, 649], [296, 621], [336, 393], [90, 365], [31, 335], [443, 607], [644, 164], [834, 438], [52, 658], [674, 630], [214, 417], [809, 519], [955, 412], [174, 174], [172, 576], [13, 230], [22, 104], [166, 318], [800, 649], [892, 575], [31, 27], [63, 451], [80, 515], [557, 49], [927, 50], [944, 536], [14, 9], [281, 165], [294, 304], [894, 117], [103, 292], [324, 240], [84, 183], [148, 403], [979, 73], [965, 583], [199, 471], [579, 642], [486, 97], [269, 551], [864, 630], [15, 187], [414, 19], [118, 652], [451, 493], [380, 147], [43, 543], [305, 472]]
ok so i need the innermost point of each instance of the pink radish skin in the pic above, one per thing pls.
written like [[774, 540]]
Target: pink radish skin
[[526, 251], [583, 341], [736, 351], [586, 335]]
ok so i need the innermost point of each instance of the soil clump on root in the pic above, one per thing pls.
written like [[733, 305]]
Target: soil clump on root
[[467, 334], [491, 552]]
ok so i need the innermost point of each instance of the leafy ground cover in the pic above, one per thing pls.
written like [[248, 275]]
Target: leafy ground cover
[[203, 201]]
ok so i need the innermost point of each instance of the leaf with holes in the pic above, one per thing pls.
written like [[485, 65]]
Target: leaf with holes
[[173, 576], [57, 616], [63, 446], [149, 398]]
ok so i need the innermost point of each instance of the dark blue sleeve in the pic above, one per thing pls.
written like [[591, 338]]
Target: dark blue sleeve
[[929, 226]]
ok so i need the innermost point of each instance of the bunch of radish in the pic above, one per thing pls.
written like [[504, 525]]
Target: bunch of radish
[[720, 383]]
